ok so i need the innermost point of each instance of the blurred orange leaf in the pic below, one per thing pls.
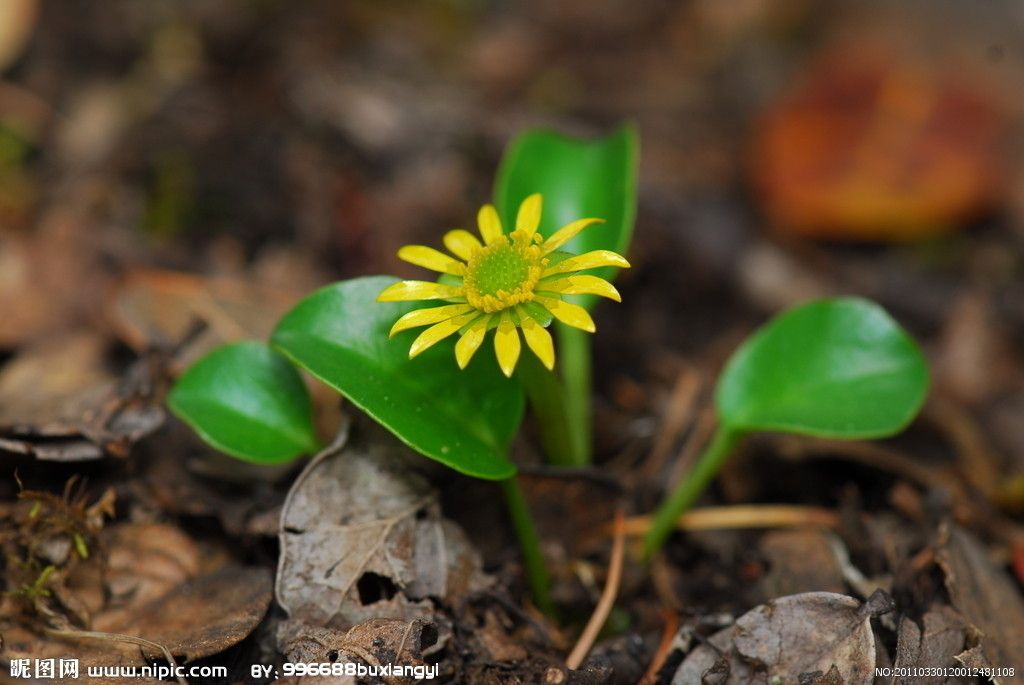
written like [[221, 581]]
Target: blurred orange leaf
[[871, 147]]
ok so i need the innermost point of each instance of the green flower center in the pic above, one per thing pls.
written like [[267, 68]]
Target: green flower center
[[504, 274], [501, 269]]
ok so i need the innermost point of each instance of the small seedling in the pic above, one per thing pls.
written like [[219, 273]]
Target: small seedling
[[571, 205], [835, 368]]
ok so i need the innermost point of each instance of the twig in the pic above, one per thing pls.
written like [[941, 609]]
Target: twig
[[678, 415], [700, 435], [117, 637], [668, 636], [604, 605], [742, 516]]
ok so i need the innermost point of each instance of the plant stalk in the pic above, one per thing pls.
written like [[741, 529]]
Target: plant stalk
[[574, 347], [529, 544], [547, 400], [690, 488]]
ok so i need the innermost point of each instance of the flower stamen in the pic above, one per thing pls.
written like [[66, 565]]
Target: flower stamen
[[504, 273]]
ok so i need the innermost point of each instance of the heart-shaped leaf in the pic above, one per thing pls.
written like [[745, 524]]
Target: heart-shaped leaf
[[578, 179], [839, 368], [247, 400], [464, 419]]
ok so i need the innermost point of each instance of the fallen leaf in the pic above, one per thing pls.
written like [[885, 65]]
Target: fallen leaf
[[800, 561], [152, 308], [876, 146], [50, 277], [362, 537], [148, 581], [935, 642], [377, 642], [58, 401], [791, 639], [203, 616], [986, 598]]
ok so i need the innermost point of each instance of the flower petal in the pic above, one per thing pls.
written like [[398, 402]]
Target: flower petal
[[539, 340], [589, 260], [567, 233], [506, 344], [568, 313], [404, 291], [470, 341], [425, 317], [580, 284], [528, 218], [461, 243], [439, 332], [490, 224], [432, 259]]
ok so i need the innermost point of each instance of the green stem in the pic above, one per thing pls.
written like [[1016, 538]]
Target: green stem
[[547, 400], [691, 487], [529, 545], [574, 350]]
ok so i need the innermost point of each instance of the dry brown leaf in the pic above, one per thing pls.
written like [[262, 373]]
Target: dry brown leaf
[[154, 308], [203, 616], [878, 146], [934, 643], [800, 560], [49, 278], [377, 642], [788, 640], [362, 537], [148, 581], [58, 402], [987, 598]]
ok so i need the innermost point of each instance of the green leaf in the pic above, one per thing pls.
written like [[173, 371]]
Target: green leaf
[[464, 419], [579, 179], [247, 400], [838, 368]]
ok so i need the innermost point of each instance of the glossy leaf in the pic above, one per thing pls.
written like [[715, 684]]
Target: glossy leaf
[[578, 179], [840, 368], [464, 419], [247, 400]]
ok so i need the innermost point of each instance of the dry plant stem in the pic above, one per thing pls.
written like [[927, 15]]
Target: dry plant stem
[[116, 637], [678, 415], [690, 488], [668, 636], [604, 605], [743, 516]]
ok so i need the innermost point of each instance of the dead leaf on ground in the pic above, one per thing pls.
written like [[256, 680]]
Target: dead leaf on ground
[[58, 401], [377, 642], [800, 561], [974, 360], [49, 279], [154, 308], [788, 640], [987, 599], [879, 146], [149, 581], [245, 498], [934, 642], [362, 537]]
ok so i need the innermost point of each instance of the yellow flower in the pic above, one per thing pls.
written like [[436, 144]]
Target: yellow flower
[[508, 282]]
